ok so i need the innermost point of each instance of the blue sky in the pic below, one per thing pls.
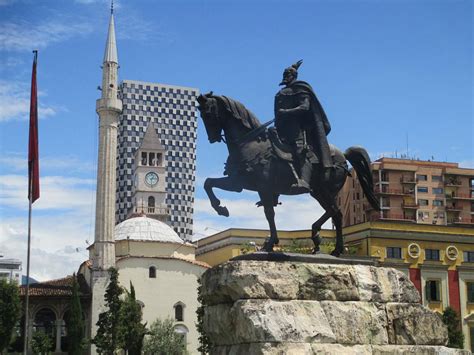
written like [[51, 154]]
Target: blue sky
[[384, 71]]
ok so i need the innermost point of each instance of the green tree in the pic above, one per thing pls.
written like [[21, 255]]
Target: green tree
[[163, 340], [131, 330], [204, 341], [10, 309], [106, 339], [41, 343], [455, 335], [75, 322]]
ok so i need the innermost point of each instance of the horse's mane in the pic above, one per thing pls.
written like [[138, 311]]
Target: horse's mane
[[239, 111]]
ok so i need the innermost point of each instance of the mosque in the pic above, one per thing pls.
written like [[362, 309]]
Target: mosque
[[147, 248]]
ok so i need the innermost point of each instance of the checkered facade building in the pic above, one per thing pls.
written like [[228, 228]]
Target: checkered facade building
[[172, 110]]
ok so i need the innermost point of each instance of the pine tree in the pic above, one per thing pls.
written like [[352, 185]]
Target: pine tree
[[10, 308], [75, 322], [106, 339], [131, 329], [455, 335]]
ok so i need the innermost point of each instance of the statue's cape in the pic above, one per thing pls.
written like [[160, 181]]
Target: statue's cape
[[303, 87]]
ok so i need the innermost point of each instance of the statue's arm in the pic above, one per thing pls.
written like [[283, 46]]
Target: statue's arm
[[304, 106]]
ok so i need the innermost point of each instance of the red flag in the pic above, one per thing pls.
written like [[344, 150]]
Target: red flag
[[33, 156]]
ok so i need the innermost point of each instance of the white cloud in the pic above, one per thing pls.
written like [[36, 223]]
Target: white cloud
[[57, 247], [18, 162], [20, 36], [297, 212], [63, 219], [56, 193], [15, 102], [469, 164]]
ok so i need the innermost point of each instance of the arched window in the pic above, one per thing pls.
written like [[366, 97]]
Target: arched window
[[151, 201], [144, 158], [151, 204], [181, 330], [178, 312], [45, 321], [152, 272], [151, 160]]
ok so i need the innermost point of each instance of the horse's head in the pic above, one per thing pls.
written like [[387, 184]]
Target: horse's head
[[209, 110]]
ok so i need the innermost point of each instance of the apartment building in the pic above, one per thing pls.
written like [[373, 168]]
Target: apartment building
[[426, 192]]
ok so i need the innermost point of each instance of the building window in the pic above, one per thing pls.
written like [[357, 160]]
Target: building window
[[470, 291], [438, 203], [423, 215], [437, 190], [422, 177], [423, 202], [394, 253], [469, 256], [178, 312], [432, 291], [432, 254], [151, 161], [151, 201], [422, 189], [181, 330], [436, 178], [144, 158], [152, 272]]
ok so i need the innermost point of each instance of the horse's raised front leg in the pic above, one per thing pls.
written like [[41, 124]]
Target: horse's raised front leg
[[268, 201], [315, 229], [224, 183]]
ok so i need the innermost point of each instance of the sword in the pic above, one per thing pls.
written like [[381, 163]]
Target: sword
[[254, 133]]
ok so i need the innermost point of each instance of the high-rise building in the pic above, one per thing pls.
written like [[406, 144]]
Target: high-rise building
[[426, 192], [10, 270], [171, 112]]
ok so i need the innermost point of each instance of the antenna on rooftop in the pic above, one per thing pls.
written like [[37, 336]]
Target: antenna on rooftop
[[112, 7], [407, 144]]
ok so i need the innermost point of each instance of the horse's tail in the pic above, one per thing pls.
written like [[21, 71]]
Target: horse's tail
[[360, 160]]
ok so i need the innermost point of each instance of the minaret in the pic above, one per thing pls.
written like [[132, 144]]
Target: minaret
[[108, 107]]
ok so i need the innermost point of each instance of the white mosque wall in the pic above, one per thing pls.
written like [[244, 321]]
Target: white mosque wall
[[175, 283], [154, 249]]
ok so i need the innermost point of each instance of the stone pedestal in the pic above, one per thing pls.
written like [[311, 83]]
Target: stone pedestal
[[316, 305]]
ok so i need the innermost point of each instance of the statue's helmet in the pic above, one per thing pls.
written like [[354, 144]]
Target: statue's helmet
[[291, 73]]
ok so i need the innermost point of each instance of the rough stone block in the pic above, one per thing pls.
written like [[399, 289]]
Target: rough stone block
[[249, 321], [357, 322], [413, 324]]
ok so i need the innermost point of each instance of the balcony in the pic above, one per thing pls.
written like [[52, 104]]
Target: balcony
[[410, 205], [453, 182], [393, 217], [458, 196], [408, 180], [395, 192], [159, 211], [461, 220], [453, 208]]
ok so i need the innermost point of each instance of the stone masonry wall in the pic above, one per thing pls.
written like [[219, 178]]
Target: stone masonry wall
[[266, 307]]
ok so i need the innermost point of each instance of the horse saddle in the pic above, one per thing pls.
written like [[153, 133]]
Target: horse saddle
[[284, 152]]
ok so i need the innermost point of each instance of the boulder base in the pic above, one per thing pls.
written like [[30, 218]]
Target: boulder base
[[317, 306]]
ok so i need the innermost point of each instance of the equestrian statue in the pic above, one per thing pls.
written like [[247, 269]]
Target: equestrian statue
[[291, 158]]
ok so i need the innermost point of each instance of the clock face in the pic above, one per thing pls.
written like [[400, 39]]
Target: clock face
[[151, 179]]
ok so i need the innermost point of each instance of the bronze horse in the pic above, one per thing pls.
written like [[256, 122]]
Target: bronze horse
[[254, 165]]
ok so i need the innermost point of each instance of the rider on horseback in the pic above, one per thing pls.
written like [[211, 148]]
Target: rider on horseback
[[301, 123]]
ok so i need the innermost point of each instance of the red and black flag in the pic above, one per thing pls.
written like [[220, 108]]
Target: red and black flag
[[33, 156]]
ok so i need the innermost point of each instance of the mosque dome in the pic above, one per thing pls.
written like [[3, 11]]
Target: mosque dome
[[146, 229]]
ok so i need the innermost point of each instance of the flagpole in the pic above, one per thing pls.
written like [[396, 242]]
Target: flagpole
[[27, 295], [31, 169]]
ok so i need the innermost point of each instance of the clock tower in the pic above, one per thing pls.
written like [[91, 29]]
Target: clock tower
[[149, 187]]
